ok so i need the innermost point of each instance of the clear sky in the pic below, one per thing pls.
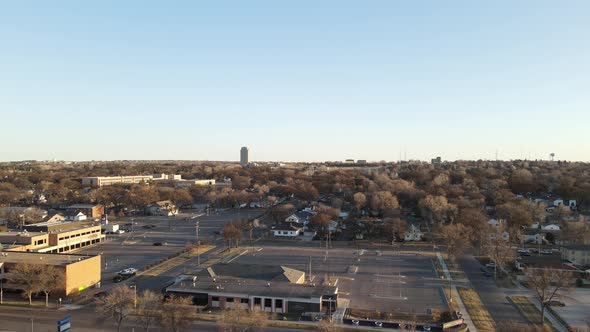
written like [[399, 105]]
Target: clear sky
[[294, 80]]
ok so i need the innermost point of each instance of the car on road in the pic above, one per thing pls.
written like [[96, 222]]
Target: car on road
[[119, 278], [158, 244], [491, 265], [128, 272], [119, 231], [555, 303], [355, 322], [101, 294], [378, 324], [547, 252], [522, 251]]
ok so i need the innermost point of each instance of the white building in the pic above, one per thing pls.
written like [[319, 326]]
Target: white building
[[413, 233], [287, 230]]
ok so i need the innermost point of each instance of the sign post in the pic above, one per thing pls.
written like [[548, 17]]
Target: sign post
[[64, 325]]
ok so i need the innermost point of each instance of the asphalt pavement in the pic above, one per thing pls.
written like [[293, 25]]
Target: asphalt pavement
[[491, 295]]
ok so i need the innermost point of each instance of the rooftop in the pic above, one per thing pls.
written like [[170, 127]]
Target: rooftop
[[41, 258], [252, 287], [254, 271]]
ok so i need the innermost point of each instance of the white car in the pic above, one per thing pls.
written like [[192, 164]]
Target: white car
[[355, 322], [119, 231], [378, 324]]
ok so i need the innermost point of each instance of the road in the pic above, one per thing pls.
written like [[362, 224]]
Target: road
[[16, 319], [493, 297]]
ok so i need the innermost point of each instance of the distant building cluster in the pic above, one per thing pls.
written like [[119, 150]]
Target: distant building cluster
[[100, 181]]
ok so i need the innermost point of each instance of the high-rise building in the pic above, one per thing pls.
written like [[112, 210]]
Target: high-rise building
[[244, 155]]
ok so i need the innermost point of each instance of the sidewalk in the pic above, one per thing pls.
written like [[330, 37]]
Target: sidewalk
[[549, 316], [462, 309]]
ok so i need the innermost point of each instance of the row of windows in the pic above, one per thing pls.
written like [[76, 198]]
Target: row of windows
[[39, 242], [79, 234], [257, 301]]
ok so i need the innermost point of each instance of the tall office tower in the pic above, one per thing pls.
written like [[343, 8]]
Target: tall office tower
[[244, 156]]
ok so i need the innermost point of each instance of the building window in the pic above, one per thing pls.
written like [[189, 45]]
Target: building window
[[215, 298], [257, 301], [279, 303], [245, 301], [229, 300], [267, 303]]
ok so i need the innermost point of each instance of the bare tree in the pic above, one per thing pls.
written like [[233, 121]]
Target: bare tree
[[241, 320], [149, 306], [455, 237], [177, 312], [26, 276], [395, 228], [359, 200], [546, 283], [327, 326], [232, 233], [50, 279], [498, 248], [117, 305]]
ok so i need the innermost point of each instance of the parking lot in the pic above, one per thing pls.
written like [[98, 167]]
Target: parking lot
[[370, 280], [136, 249]]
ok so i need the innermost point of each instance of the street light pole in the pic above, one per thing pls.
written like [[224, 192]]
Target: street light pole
[[134, 296]]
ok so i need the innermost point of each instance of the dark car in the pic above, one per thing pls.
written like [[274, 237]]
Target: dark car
[[488, 274], [101, 294], [119, 278], [158, 243], [555, 303]]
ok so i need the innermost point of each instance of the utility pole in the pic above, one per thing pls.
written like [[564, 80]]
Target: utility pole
[[198, 247]]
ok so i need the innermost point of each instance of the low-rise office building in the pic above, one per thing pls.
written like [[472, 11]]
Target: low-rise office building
[[277, 289], [52, 237], [80, 271]]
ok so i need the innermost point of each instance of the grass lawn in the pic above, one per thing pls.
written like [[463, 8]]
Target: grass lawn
[[478, 312], [531, 312]]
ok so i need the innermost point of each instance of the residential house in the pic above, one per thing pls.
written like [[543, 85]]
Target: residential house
[[287, 230], [301, 217], [91, 210], [578, 254], [55, 217], [413, 233], [532, 236], [550, 227], [162, 208], [74, 216]]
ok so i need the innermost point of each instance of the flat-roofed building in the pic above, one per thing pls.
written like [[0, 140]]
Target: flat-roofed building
[[99, 181], [52, 237], [278, 289], [80, 271]]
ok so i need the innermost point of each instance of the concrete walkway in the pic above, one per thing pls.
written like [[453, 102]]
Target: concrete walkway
[[460, 304], [549, 316]]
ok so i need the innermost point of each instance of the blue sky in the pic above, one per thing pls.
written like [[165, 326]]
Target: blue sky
[[294, 80]]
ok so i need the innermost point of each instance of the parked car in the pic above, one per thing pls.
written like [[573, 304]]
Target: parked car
[[426, 328], [491, 265], [546, 252], [488, 274], [158, 243], [355, 322], [378, 324]]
